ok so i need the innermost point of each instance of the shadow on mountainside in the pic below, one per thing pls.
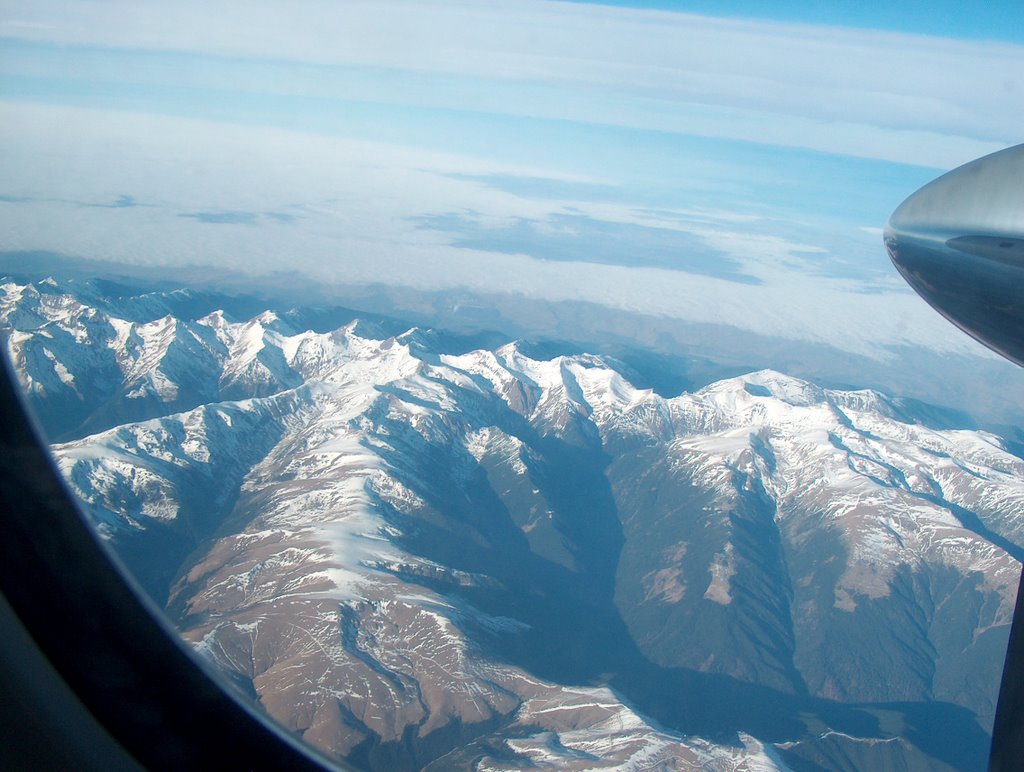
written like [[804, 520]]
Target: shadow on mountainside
[[576, 635]]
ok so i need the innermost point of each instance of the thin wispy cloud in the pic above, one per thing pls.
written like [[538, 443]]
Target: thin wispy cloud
[[905, 98]]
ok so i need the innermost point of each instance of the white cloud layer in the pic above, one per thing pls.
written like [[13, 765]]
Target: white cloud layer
[[342, 211], [891, 96]]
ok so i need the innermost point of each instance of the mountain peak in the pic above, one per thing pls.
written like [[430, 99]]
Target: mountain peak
[[788, 389]]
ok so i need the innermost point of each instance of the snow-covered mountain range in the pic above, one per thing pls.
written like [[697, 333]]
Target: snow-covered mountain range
[[417, 554]]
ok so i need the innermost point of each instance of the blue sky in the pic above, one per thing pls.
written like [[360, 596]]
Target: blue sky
[[653, 157], [1002, 20]]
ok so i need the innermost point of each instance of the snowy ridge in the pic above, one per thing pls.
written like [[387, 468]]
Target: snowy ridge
[[379, 526]]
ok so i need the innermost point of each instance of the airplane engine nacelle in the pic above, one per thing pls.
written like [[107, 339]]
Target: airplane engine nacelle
[[959, 242]]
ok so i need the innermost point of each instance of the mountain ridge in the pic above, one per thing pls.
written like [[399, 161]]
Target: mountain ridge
[[751, 530]]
